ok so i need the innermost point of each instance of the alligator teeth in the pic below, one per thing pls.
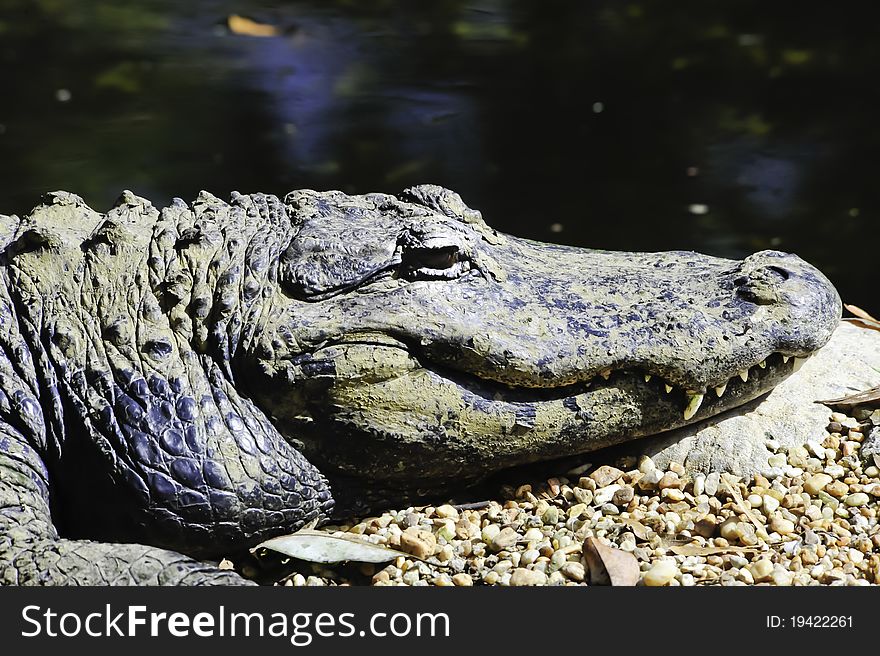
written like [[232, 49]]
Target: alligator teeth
[[667, 387], [785, 359], [798, 363], [647, 378], [694, 401], [744, 374], [763, 364], [720, 390], [606, 374]]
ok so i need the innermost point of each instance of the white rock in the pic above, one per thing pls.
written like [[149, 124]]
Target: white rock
[[661, 573]]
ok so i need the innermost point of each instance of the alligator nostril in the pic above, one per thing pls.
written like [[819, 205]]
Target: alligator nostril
[[779, 273]]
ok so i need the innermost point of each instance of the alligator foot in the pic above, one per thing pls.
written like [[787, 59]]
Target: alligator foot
[[81, 562]]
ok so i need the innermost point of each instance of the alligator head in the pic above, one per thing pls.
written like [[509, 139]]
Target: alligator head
[[407, 343]]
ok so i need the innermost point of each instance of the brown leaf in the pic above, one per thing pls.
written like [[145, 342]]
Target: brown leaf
[[697, 550], [746, 509], [869, 398], [860, 313], [641, 531], [247, 27], [610, 566]]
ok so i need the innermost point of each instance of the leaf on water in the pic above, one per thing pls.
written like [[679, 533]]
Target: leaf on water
[[610, 566], [320, 547], [247, 27]]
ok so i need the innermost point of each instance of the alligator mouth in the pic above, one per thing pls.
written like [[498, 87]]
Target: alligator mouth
[[738, 388], [742, 386]]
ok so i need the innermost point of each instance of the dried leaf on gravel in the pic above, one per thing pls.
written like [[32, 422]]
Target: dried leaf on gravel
[[697, 550], [610, 566], [862, 319], [641, 531], [321, 547], [869, 398], [745, 508]]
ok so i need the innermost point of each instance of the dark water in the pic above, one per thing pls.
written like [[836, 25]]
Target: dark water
[[719, 127]]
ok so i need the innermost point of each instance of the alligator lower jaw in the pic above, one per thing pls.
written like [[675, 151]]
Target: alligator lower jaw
[[425, 425]]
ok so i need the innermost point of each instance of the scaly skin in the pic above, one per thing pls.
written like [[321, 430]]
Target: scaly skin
[[174, 381]]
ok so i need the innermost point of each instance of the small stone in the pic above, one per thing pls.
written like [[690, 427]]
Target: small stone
[[646, 464], [781, 525], [770, 503], [418, 543], [606, 475], [574, 571], [835, 471], [837, 489], [781, 577], [521, 577], [605, 494], [761, 570], [550, 516], [661, 573], [446, 511], [755, 500], [856, 500], [672, 494], [529, 556], [505, 539], [462, 580], [699, 484], [705, 526], [650, 480], [728, 529], [669, 480], [623, 496], [713, 480], [490, 531], [815, 483]]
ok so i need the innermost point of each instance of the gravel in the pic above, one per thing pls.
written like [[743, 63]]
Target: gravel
[[815, 523]]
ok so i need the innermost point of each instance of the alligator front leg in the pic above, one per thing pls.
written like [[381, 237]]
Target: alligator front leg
[[31, 553]]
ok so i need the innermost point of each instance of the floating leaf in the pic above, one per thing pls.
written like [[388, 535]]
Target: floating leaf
[[610, 566], [321, 547], [247, 27]]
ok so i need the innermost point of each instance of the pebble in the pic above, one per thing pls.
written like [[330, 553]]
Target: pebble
[[761, 570], [605, 494], [462, 579], [661, 573], [574, 570], [418, 543], [606, 475], [713, 480], [505, 538], [857, 500], [814, 484], [522, 576], [782, 526], [821, 526], [769, 503]]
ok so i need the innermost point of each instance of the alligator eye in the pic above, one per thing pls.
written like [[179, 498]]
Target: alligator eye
[[433, 263]]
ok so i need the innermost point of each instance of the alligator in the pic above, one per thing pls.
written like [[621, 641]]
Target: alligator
[[184, 383]]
